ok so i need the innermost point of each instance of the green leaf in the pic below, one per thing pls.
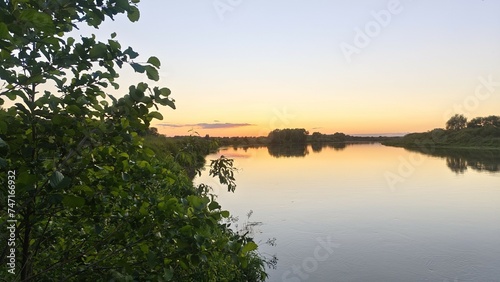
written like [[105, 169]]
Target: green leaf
[[3, 163], [144, 209], [168, 274], [12, 95], [73, 201], [122, 4], [22, 108], [154, 61], [156, 115], [152, 73], [40, 20], [4, 31], [138, 68], [4, 147], [58, 119], [70, 41], [113, 35], [56, 179], [213, 206], [144, 248], [72, 109], [150, 153], [152, 260], [98, 51], [136, 93], [133, 14], [125, 177], [166, 102], [224, 214], [250, 246], [131, 53], [165, 92]]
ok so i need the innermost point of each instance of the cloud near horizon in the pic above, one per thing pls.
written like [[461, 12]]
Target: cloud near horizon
[[207, 125]]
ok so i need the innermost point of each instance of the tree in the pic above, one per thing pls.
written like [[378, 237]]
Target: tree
[[90, 200], [288, 136], [492, 120], [456, 122], [475, 122], [484, 121], [339, 137], [316, 137]]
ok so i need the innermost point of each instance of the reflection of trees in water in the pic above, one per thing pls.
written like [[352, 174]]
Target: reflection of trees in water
[[337, 146], [300, 150], [492, 167], [457, 165], [295, 150], [317, 147], [459, 160]]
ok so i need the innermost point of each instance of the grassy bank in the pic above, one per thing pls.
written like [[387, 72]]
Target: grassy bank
[[487, 137]]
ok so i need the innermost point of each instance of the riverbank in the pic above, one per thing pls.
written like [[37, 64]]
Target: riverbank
[[484, 138]]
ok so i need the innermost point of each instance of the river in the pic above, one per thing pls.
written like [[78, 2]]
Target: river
[[368, 212]]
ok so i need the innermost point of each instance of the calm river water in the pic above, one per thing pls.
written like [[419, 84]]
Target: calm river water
[[368, 212]]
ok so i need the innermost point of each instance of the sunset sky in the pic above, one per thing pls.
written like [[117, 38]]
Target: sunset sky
[[241, 67]]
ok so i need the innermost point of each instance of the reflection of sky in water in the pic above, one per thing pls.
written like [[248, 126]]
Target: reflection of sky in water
[[432, 225]]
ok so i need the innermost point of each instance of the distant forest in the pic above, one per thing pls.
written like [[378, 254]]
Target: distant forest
[[288, 136], [478, 133]]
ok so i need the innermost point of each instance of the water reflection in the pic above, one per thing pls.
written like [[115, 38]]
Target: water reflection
[[301, 150], [337, 146], [288, 151], [457, 165], [459, 160], [433, 227]]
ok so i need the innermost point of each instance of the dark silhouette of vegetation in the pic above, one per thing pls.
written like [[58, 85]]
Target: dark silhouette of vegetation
[[287, 136], [317, 140], [288, 151], [316, 147], [479, 133], [484, 121], [241, 141], [97, 196], [459, 160], [317, 137], [456, 122]]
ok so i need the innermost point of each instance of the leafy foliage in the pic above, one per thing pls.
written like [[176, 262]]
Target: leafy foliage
[[478, 133], [288, 136], [223, 169], [484, 121], [456, 122], [483, 137], [93, 200]]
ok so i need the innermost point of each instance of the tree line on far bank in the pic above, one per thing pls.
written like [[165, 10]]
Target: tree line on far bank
[[479, 132], [286, 136], [458, 122]]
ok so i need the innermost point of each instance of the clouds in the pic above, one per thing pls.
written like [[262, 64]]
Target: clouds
[[214, 125]]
